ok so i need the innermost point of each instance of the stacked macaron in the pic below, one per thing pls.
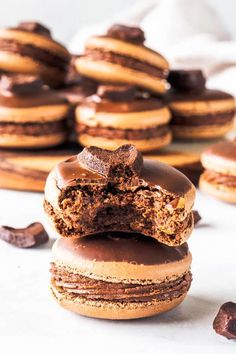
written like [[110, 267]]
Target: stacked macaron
[[119, 113], [31, 115], [30, 49], [123, 222], [198, 112], [219, 178]]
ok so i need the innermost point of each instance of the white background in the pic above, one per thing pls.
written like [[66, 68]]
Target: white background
[[65, 17]]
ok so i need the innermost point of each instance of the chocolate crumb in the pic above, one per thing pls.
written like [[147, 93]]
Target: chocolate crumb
[[225, 321], [31, 236]]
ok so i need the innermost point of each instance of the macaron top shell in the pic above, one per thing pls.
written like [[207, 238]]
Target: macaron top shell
[[121, 256], [221, 158]]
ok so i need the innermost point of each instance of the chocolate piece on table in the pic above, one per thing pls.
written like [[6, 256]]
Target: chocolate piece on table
[[196, 217], [225, 321], [184, 80], [126, 33], [31, 236], [117, 92], [32, 26], [21, 84]]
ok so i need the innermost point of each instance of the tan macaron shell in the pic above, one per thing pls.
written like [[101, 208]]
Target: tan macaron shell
[[221, 158], [131, 120], [31, 141], [109, 72], [208, 131], [112, 144], [218, 191]]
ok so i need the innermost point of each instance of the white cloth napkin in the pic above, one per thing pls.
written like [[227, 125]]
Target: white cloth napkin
[[188, 32]]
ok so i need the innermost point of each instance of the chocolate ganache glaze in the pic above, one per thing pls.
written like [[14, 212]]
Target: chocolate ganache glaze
[[95, 165], [121, 247]]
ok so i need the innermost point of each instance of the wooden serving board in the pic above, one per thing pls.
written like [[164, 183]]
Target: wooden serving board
[[27, 171]]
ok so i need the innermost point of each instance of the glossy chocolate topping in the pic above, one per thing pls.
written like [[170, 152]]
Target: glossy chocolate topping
[[126, 33], [121, 247], [184, 80], [97, 104], [98, 165], [116, 92], [226, 150], [20, 84], [204, 95], [38, 96], [35, 27]]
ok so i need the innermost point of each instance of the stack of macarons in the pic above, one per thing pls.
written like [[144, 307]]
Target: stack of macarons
[[123, 223], [198, 112], [219, 177], [128, 106], [33, 64]]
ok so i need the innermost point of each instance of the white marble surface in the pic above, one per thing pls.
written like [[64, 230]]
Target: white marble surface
[[28, 312]]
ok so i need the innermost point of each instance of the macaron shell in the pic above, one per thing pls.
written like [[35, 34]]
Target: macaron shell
[[138, 52], [188, 108], [112, 144], [205, 131], [39, 114], [221, 158], [139, 120], [30, 141], [113, 311], [109, 72], [221, 192], [26, 65]]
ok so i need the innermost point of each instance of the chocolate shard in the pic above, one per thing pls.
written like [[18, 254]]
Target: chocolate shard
[[117, 93], [20, 84], [124, 163], [225, 321], [196, 217], [126, 33], [36, 27], [183, 80], [31, 236]]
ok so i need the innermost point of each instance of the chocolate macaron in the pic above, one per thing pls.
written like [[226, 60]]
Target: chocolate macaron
[[30, 49], [219, 178], [121, 114], [198, 112], [100, 190], [120, 56], [118, 276], [31, 115]]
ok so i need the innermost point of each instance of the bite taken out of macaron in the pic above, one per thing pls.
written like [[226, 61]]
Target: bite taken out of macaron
[[219, 177], [31, 115], [121, 114], [30, 49], [100, 190], [119, 276], [121, 57], [197, 111]]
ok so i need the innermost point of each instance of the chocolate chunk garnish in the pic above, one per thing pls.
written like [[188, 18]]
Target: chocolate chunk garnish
[[125, 33], [196, 216], [122, 93], [21, 84], [225, 321], [184, 80], [31, 236], [32, 26], [125, 162]]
